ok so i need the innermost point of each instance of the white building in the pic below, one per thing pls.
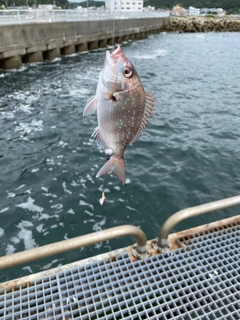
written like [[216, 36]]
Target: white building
[[193, 11], [124, 5]]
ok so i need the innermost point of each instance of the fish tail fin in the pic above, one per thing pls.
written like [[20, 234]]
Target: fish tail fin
[[114, 166]]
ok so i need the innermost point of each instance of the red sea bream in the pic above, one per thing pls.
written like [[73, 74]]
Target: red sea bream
[[123, 110]]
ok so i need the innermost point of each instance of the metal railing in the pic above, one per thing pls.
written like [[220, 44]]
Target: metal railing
[[162, 244], [140, 250], [8, 17]]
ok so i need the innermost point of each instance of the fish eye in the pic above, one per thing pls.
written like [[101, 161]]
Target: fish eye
[[127, 72]]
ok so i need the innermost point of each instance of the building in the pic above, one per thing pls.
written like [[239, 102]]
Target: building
[[178, 11], [124, 5], [193, 11], [217, 11]]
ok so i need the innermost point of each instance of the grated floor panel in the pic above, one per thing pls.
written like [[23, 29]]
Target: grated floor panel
[[199, 281]]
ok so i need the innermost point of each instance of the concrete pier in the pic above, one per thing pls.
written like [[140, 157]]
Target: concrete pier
[[46, 41], [33, 57], [12, 62]]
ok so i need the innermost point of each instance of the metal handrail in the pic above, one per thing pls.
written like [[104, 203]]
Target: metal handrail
[[52, 16], [140, 250], [162, 244]]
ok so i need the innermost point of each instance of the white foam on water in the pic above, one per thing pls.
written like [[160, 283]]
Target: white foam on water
[[65, 188], [90, 178], [26, 128], [98, 225], [4, 209], [80, 92], [25, 108], [62, 144], [49, 265], [83, 203], [11, 195], [71, 211], [35, 170], [89, 213], [44, 189], [50, 195], [15, 240], [82, 195], [55, 59], [10, 249], [20, 187], [44, 216], [24, 224], [86, 221], [28, 269], [117, 188], [75, 184], [29, 205], [57, 206], [27, 237], [152, 55], [40, 228], [121, 200], [7, 115], [1, 232], [50, 161], [131, 209]]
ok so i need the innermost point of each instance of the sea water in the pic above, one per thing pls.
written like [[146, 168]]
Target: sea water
[[188, 155]]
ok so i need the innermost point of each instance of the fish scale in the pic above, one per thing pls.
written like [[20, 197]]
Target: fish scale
[[123, 110]]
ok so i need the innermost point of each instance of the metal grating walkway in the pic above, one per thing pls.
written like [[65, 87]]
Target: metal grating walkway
[[201, 280]]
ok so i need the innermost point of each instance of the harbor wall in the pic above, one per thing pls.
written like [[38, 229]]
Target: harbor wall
[[202, 24], [45, 41]]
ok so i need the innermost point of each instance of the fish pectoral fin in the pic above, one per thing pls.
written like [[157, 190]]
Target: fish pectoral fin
[[114, 166], [97, 136], [150, 106], [91, 106]]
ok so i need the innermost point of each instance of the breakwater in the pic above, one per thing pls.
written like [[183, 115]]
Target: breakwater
[[202, 24], [46, 41]]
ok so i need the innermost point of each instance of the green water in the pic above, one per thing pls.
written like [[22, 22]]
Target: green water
[[189, 154]]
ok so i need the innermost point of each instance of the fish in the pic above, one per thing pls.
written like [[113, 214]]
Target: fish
[[123, 111]]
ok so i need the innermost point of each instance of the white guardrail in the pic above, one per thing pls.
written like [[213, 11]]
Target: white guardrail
[[8, 17]]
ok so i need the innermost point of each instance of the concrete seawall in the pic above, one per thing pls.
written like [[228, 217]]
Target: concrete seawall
[[37, 42]]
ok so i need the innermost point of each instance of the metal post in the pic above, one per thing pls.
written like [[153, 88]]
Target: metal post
[[162, 244], [140, 250], [19, 18]]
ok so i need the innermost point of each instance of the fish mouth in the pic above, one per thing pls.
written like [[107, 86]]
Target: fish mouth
[[112, 58], [117, 53], [111, 77]]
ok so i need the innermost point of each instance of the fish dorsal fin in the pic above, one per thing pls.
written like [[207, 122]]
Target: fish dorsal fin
[[91, 106], [150, 107], [97, 136]]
